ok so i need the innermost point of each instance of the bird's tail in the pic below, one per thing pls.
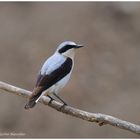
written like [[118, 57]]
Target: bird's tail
[[32, 101], [35, 96], [30, 104]]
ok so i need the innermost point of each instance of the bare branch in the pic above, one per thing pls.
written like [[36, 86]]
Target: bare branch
[[99, 118]]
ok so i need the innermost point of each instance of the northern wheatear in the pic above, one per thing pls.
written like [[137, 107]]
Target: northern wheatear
[[55, 73]]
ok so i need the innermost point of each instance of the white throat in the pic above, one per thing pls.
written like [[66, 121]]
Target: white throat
[[70, 53]]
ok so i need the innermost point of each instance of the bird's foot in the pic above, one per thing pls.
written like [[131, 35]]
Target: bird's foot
[[63, 106], [51, 99]]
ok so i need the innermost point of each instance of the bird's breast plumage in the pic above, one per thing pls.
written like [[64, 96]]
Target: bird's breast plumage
[[59, 85]]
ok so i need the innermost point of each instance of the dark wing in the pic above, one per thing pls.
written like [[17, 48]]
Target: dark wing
[[46, 81]]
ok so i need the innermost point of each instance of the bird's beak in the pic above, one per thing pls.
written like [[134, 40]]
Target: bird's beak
[[79, 46]]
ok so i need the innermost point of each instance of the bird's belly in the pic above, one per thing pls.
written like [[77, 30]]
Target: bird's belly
[[59, 85]]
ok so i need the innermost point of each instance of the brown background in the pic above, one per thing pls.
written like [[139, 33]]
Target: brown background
[[106, 77]]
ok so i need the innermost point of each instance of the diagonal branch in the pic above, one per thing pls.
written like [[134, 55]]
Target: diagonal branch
[[99, 118]]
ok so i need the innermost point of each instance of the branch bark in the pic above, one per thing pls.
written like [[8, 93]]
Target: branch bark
[[99, 118]]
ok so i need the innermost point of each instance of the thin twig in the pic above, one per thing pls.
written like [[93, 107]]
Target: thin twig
[[99, 118]]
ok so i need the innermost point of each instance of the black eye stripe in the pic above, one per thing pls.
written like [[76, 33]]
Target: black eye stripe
[[65, 48]]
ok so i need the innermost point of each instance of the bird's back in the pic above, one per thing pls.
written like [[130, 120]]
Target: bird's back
[[52, 63]]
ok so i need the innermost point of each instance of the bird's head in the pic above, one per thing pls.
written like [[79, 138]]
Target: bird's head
[[68, 48]]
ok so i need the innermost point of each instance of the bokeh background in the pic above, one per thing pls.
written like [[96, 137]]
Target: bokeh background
[[106, 76]]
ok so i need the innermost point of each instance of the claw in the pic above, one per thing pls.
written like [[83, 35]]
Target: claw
[[51, 99], [62, 107]]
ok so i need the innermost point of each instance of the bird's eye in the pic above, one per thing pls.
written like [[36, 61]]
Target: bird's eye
[[66, 48]]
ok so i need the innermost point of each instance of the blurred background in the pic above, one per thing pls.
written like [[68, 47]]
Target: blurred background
[[106, 76]]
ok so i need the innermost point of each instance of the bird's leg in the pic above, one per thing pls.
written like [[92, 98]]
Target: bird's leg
[[64, 103], [51, 99]]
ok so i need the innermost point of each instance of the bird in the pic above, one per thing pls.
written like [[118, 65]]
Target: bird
[[54, 74]]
